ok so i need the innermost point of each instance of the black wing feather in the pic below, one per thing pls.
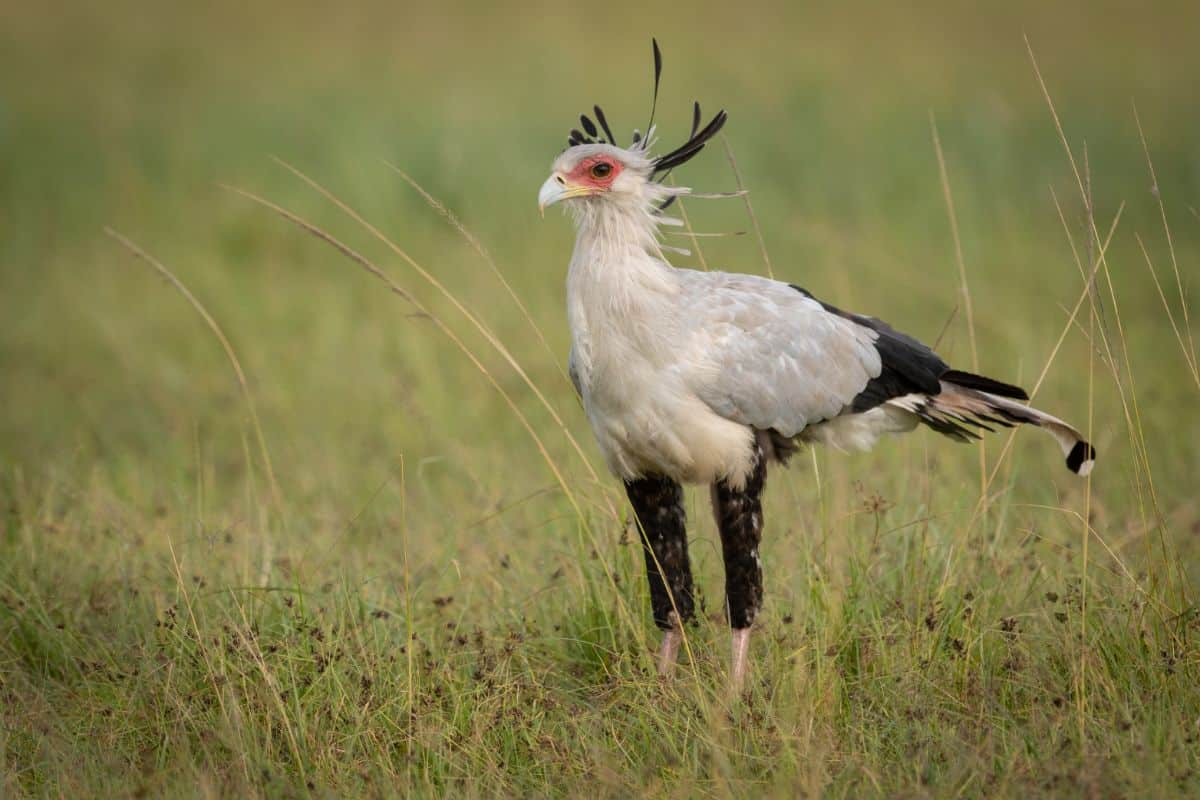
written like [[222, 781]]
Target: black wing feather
[[910, 367]]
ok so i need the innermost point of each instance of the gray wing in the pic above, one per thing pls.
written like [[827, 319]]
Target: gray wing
[[769, 355]]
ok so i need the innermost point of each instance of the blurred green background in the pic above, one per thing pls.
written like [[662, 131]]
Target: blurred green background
[[130, 115], [131, 472]]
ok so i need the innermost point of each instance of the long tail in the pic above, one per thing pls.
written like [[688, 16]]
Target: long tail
[[970, 403]]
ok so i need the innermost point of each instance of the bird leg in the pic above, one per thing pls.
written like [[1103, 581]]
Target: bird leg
[[658, 503], [738, 511], [741, 649], [668, 651]]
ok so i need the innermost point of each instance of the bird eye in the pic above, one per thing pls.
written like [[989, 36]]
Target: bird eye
[[601, 170]]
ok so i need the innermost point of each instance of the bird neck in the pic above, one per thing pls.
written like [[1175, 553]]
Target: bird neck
[[617, 252], [619, 287], [615, 227]]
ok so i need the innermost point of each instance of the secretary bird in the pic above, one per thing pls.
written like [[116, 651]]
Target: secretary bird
[[706, 377]]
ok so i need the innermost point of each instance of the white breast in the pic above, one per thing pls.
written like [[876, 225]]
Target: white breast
[[627, 346]]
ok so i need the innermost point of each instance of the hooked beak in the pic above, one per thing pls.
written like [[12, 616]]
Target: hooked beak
[[555, 189]]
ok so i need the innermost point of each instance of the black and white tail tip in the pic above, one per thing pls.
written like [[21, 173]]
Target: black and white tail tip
[[969, 403], [1082, 458]]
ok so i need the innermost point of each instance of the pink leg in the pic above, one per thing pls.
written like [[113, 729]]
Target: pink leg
[[741, 652], [668, 652], [739, 519]]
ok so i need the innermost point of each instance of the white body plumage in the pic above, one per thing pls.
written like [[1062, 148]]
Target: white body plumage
[[678, 368], [682, 372]]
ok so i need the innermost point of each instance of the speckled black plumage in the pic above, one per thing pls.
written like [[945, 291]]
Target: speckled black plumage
[[658, 503], [740, 521]]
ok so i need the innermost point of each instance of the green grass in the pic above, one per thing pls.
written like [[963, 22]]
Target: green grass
[[430, 603]]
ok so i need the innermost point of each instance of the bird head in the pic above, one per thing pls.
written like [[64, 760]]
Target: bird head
[[598, 170], [594, 169]]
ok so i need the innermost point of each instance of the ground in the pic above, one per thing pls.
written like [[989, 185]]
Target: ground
[[382, 557]]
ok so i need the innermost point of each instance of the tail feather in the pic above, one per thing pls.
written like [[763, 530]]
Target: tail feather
[[969, 380], [961, 404]]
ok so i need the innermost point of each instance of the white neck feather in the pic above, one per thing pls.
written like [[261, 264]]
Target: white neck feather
[[620, 289], [617, 247]]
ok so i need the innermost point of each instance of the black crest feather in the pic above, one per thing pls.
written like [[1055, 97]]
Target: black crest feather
[[696, 140], [657, 79], [604, 124], [692, 146]]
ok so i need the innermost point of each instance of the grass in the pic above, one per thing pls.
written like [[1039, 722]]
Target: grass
[[272, 527]]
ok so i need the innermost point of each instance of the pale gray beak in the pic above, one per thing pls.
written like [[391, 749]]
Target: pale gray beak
[[555, 189]]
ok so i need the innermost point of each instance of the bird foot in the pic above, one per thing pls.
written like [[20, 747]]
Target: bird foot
[[741, 652]]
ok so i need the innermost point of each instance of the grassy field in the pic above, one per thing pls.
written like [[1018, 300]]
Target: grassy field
[[382, 557]]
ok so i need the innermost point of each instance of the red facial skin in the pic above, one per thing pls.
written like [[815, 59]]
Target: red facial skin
[[582, 174]]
